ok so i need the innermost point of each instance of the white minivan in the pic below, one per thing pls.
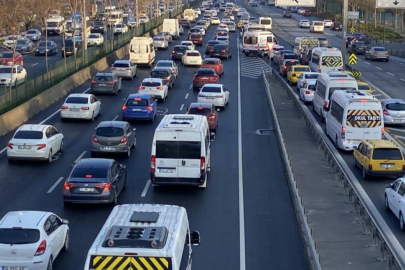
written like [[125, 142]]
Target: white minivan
[[171, 26], [142, 51], [354, 116], [317, 27], [181, 151]]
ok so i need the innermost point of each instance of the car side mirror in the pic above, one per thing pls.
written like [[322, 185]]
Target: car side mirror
[[388, 185], [65, 222], [123, 166]]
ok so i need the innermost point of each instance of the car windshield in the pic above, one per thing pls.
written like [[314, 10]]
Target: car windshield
[[150, 84], [68, 43], [6, 70], [43, 44], [21, 41], [28, 134], [211, 89], [137, 102], [93, 36], [89, 173], [199, 110], [18, 236], [311, 76], [30, 32], [360, 43], [121, 65], [364, 87], [380, 49], [98, 23], [110, 131], [164, 64], [193, 54], [387, 154], [396, 106], [77, 100], [118, 26], [6, 55], [12, 38]]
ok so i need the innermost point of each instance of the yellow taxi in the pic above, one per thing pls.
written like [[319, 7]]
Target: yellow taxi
[[295, 72], [241, 22], [379, 158], [364, 87]]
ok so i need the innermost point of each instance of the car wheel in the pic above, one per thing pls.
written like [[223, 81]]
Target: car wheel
[[387, 60], [61, 147], [50, 266], [49, 160], [364, 174], [92, 117], [66, 244], [153, 118], [115, 200], [99, 111], [94, 154], [401, 222], [387, 205], [129, 152]]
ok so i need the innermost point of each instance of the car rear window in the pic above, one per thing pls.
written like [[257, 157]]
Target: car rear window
[[318, 23], [291, 63], [205, 71], [103, 78], [196, 35], [150, 84], [137, 102], [301, 69], [364, 87], [175, 150], [290, 56], [77, 100], [199, 110], [380, 49], [164, 64], [121, 65], [387, 153], [211, 89], [193, 54], [159, 38], [89, 173], [110, 131], [312, 87], [213, 42], [19, 236], [180, 49], [208, 62], [311, 76], [28, 134], [396, 107], [219, 47], [159, 73], [6, 55]]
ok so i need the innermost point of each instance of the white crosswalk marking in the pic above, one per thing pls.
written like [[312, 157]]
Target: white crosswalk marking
[[251, 67]]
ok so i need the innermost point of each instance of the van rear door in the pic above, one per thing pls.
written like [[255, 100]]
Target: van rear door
[[364, 121], [139, 53], [167, 154], [189, 155]]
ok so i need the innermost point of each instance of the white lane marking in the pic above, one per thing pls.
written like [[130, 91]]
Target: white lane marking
[[378, 68], [389, 73], [186, 97], [181, 107], [34, 64], [402, 80], [115, 118], [80, 157], [377, 95], [191, 86], [367, 63], [396, 129], [54, 185], [400, 137], [242, 255], [145, 190]]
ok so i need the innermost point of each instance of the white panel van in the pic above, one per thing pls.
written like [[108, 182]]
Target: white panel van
[[142, 51], [172, 26], [326, 59]]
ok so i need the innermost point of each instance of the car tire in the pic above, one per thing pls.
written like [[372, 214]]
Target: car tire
[[49, 160], [401, 222], [128, 154], [50, 264], [364, 174], [94, 154], [66, 243], [387, 205], [92, 117], [153, 118], [115, 199], [61, 147]]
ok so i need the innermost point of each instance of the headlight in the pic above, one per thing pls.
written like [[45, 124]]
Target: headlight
[[37, 50], [47, 50]]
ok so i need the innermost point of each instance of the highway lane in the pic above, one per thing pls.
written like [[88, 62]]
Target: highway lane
[[213, 211], [374, 187]]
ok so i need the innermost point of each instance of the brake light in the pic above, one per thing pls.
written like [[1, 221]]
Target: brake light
[[211, 117], [152, 164], [85, 108], [386, 112], [149, 108], [124, 139], [343, 135], [104, 186], [403, 167], [167, 78], [326, 105], [201, 95], [307, 92], [294, 75], [370, 167], [111, 82], [202, 164], [284, 67], [127, 69], [222, 50], [124, 107], [67, 186], [159, 88], [93, 82], [64, 107], [41, 249], [94, 138], [319, 69], [41, 146], [113, 68], [219, 96], [211, 50], [149, 57], [141, 87], [173, 51], [10, 145]]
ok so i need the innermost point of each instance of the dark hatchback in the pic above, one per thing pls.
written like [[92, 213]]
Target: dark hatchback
[[178, 52], [210, 44], [221, 51], [184, 23], [46, 45], [336, 26], [95, 180], [165, 74], [71, 48], [287, 14], [98, 27], [208, 110]]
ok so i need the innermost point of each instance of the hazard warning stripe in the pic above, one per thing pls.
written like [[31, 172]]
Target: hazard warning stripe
[[351, 122], [129, 263], [332, 61]]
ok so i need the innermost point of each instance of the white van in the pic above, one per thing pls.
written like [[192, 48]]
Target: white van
[[115, 17], [267, 22], [181, 151], [189, 14], [54, 25], [144, 236], [326, 84], [316, 27], [141, 51], [354, 116], [258, 43], [172, 26], [326, 59]]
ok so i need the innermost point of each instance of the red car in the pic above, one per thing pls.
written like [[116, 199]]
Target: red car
[[286, 66], [6, 58], [197, 39], [306, 13], [214, 63], [203, 76], [208, 110]]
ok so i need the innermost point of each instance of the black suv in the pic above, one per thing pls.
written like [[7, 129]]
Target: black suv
[[178, 52], [71, 49], [99, 27]]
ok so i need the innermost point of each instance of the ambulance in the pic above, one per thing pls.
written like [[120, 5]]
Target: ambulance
[[258, 43]]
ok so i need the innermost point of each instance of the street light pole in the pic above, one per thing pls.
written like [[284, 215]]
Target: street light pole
[[84, 26], [344, 30]]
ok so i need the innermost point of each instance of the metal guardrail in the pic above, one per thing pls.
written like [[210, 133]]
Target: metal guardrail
[[391, 250], [41, 80]]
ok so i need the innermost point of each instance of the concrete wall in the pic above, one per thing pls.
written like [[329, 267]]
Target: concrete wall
[[19, 115]]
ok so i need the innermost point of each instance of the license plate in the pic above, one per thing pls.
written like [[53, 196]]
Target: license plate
[[12, 268], [204, 78], [193, 61], [102, 84], [166, 170], [398, 120], [108, 149], [86, 189], [74, 109], [386, 165], [209, 97], [136, 110], [24, 147]]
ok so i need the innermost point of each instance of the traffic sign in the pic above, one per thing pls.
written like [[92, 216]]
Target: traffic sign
[[390, 4], [357, 74], [352, 59], [297, 3], [352, 30], [353, 15]]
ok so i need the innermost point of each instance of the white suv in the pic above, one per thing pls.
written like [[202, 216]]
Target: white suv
[[317, 26], [154, 87], [32, 239]]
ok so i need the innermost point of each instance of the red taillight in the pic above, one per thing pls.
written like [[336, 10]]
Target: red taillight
[[152, 164], [141, 87], [41, 249], [403, 167], [41, 146], [370, 167], [326, 105], [307, 92], [159, 88], [284, 67], [386, 112], [211, 117], [104, 186], [201, 95], [67, 186], [10, 145], [343, 135], [124, 107], [223, 51], [202, 164], [219, 96], [124, 139], [319, 69], [85, 108], [294, 75], [113, 68], [211, 50], [149, 57], [128, 69], [111, 82], [94, 138], [93, 82], [167, 78], [173, 51], [200, 38], [64, 107], [150, 108]]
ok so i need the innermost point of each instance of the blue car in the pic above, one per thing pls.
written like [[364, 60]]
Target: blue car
[[139, 107]]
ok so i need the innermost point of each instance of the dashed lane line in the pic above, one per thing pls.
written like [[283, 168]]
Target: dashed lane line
[[55, 185]]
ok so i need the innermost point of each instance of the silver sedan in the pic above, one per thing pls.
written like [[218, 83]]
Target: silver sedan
[[394, 111], [160, 42]]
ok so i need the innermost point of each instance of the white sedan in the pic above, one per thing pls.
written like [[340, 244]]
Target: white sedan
[[120, 29], [190, 45], [201, 28], [327, 23], [154, 87], [95, 39], [306, 77], [304, 24], [215, 20], [395, 200], [35, 142], [222, 27], [13, 77], [215, 94], [124, 69], [307, 91], [80, 106], [32, 239], [12, 40], [191, 58]]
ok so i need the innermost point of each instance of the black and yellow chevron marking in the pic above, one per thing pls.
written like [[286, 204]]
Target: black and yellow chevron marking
[[130, 263], [332, 61], [357, 74], [352, 30], [352, 59], [363, 118], [309, 42]]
